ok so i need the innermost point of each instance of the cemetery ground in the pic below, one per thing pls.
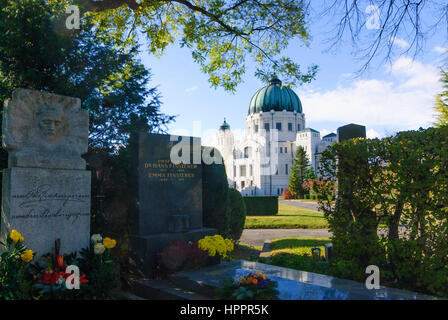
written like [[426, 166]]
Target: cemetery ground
[[294, 253], [288, 217]]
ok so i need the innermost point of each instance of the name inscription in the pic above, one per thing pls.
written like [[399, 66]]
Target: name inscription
[[41, 202], [165, 170]]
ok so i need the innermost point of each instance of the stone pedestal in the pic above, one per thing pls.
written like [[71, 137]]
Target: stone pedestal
[[144, 249], [45, 205]]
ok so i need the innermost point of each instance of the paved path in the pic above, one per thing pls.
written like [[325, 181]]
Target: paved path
[[303, 204], [256, 237]]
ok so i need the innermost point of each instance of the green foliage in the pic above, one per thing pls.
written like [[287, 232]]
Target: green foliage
[[261, 206], [38, 52], [214, 194], [237, 214], [15, 279], [221, 35], [299, 171], [102, 272], [441, 105], [399, 181]]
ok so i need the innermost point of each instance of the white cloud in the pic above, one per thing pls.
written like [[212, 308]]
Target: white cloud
[[372, 134], [440, 49], [194, 88], [404, 102], [403, 44], [324, 132]]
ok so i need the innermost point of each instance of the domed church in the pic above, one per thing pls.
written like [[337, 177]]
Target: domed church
[[260, 162]]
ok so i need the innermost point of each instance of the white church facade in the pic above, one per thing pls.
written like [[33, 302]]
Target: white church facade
[[259, 163]]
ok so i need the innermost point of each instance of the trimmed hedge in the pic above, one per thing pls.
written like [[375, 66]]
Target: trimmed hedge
[[261, 206], [236, 209], [215, 190]]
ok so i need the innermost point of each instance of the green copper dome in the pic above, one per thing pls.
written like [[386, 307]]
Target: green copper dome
[[224, 126], [275, 97]]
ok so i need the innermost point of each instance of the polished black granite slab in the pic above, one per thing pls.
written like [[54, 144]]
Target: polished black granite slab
[[292, 284]]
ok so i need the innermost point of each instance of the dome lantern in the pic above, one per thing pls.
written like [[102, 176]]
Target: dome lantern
[[225, 126]]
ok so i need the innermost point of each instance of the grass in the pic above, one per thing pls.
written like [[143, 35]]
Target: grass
[[295, 253], [299, 246], [288, 217]]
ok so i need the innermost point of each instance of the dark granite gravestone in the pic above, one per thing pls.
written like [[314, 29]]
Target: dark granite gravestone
[[167, 196], [351, 131]]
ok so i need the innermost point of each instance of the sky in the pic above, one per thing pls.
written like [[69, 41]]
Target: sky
[[387, 98]]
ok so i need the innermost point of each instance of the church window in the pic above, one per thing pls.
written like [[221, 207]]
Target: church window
[[286, 168], [266, 126], [246, 152], [278, 126], [286, 149], [256, 128], [242, 185], [242, 171], [298, 127], [281, 149], [251, 170], [290, 126]]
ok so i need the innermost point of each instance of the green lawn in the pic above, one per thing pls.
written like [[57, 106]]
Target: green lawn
[[289, 217], [295, 253]]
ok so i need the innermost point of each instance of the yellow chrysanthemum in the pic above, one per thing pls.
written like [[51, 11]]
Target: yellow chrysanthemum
[[16, 236], [27, 255], [109, 243]]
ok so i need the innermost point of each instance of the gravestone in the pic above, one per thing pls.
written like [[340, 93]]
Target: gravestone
[[46, 189], [167, 196], [351, 131]]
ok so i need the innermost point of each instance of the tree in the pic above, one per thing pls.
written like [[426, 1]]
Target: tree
[[221, 34], [441, 106], [298, 173], [377, 28], [38, 52]]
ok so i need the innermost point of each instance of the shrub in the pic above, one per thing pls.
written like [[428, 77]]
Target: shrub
[[286, 194], [261, 206], [15, 278], [214, 195], [237, 214], [400, 180]]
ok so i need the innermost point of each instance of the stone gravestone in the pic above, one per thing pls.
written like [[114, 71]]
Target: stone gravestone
[[46, 189], [351, 131], [168, 196]]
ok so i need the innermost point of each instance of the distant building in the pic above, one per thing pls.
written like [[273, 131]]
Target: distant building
[[260, 162]]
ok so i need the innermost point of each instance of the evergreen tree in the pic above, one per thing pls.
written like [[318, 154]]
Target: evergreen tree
[[441, 106], [38, 52], [298, 174]]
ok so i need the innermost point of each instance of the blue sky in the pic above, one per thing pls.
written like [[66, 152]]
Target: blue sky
[[389, 97]]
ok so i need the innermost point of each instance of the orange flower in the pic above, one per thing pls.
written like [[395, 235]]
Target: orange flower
[[254, 281], [60, 260]]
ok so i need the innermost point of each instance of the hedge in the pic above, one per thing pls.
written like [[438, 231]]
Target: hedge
[[400, 181], [261, 206]]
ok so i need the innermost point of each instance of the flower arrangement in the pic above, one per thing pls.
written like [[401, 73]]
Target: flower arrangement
[[254, 286], [216, 244], [15, 278], [98, 263], [51, 274]]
